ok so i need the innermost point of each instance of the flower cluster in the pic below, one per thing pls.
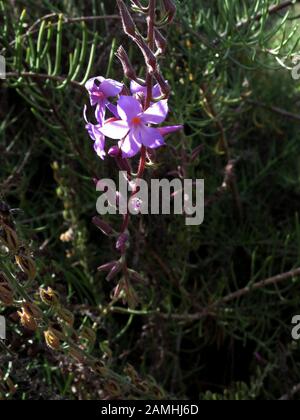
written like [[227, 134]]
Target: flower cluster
[[131, 121]]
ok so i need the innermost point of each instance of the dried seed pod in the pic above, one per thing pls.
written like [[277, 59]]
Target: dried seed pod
[[6, 294], [57, 330], [76, 354], [52, 339], [33, 310], [27, 320], [27, 265], [66, 316], [49, 296], [112, 388], [9, 237], [99, 367], [88, 334]]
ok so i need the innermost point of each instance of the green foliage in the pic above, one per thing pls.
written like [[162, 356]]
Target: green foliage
[[228, 64]]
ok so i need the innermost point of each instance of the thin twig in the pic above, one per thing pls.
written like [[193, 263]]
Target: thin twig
[[275, 109], [233, 296], [41, 76], [225, 147], [271, 11], [66, 20], [291, 394]]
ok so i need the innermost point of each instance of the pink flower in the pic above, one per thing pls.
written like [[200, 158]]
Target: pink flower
[[133, 127], [100, 89]]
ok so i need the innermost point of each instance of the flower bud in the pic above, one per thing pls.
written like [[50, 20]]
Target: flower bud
[[170, 9], [160, 42], [103, 226], [108, 266], [122, 242], [128, 69], [114, 151], [49, 296], [163, 84], [149, 56], [114, 271], [127, 21]]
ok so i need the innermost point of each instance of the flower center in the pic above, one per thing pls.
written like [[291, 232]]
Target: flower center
[[99, 95], [136, 121]]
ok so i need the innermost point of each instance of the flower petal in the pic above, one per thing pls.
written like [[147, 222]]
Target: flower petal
[[156, 92], [98, 138], [149, 137], [111, 87], [115, 129], [157, 113], [137, 88], [129, 107], [130, 146], [99, 148], [100, 111], [164, 131], [90, 84], [113, 109]]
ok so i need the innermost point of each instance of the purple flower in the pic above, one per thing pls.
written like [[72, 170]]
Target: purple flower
[[136, 88], [100, 89], [96, 135], [164, 131], [133, 127]]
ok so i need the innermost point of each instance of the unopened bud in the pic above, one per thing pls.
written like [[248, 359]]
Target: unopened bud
[[103, 226], [114, 271], [114, 151], [122, 242], [128, 69], [196, 152], [127, 21], [108, 266], [149, 56], [163, 84], [160, 42], [170, 9]]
